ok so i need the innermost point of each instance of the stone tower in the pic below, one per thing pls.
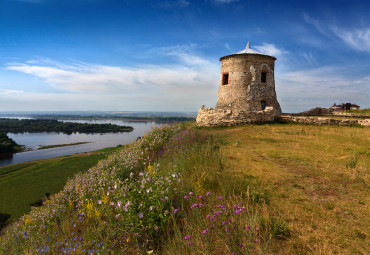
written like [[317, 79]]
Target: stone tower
[[246, 93]]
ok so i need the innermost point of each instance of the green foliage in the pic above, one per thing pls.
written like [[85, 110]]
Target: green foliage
[[45, 125], [7, 145], [3, 219]]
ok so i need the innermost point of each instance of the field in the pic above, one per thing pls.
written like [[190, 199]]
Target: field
[[25, 183], [252, 189], [317, 178]]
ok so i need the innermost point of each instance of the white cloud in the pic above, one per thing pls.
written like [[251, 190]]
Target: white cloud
[[10, 92], [309, 57], [270, 49], [185, 85], [358, 39], [316, 24], [321, 87]]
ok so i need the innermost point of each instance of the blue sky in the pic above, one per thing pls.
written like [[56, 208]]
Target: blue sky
[[139, 55]]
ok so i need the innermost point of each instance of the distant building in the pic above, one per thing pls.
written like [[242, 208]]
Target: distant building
[[246, 92], [344, 107]]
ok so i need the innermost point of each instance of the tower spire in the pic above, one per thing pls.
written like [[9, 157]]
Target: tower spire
[[248, 45]]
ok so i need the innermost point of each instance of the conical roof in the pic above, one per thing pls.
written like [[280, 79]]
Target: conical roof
[[248, 50]]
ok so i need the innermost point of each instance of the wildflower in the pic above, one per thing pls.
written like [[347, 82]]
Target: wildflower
[[241, 245], [141, 215], [256, 240], [191, 193], [119, 203], [185, 197], [227, 229], [248, 227], [205, 231], [99, 202], [175, 211], [208, 216], [189, 243], [194, 205], [257, 228], [187, 237], [208, 193], [224, 223], [220, 198]]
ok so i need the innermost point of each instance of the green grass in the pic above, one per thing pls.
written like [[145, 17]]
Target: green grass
[[365, 111], [24, 183], [59, 145]]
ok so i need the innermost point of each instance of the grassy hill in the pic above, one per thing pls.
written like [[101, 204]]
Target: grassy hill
[[273, 189]]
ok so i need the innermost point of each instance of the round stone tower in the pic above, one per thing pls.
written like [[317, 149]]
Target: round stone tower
[[246, 93], [247, 82]]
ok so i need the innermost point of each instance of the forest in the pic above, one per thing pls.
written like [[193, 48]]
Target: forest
[[44, 125]]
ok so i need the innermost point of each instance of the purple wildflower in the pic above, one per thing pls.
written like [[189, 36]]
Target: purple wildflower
[[205, 231], [187, 237]]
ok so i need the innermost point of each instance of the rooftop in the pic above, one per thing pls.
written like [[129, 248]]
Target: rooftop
[[248, 50]]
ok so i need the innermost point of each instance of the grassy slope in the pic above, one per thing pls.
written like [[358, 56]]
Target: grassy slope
[[25, 183], [313, 181]]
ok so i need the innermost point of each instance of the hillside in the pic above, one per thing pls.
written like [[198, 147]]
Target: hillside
[[277, 188]]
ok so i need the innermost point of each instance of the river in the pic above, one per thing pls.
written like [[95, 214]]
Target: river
[[95, 141]]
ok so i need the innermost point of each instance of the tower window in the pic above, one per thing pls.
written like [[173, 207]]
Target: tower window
[[263, 105], [263, 76], [225, 79]]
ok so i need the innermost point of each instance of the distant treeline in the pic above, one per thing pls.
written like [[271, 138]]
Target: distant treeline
[[43, 125], [115, 117], [8, 145]]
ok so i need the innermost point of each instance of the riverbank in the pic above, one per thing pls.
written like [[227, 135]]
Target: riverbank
[[24, 183]]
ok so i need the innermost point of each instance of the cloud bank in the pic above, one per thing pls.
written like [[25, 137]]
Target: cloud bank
[[185, 85]]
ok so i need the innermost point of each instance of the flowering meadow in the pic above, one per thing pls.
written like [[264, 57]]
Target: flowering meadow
[[165, 193]]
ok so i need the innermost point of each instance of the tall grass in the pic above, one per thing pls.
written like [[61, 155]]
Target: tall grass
[[218, 212], [168, 193]]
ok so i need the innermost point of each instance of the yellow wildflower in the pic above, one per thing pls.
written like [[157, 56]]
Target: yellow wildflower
[[97, 213], [27, 219], [150, 168], [70, 203], [78, 187], [105, 199]]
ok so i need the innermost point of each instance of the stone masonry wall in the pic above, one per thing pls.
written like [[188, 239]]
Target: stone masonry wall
[[226, 117], [245, 91], [324, 120]]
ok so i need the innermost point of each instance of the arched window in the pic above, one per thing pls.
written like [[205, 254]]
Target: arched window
[[263, 105]]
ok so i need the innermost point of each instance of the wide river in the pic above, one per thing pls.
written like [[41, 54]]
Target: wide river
[[96, 141]]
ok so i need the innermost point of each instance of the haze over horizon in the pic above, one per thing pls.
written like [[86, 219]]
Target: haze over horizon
[[138, 55]]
